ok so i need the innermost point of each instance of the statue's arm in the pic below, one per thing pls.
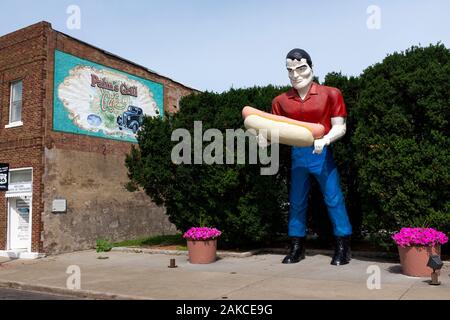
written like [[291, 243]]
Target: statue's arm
[[337, 131]]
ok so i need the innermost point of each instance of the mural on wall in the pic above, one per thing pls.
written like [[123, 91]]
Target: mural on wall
[[95, 100]]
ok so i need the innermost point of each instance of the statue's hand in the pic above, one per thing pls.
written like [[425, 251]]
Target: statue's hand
[[319, 144]]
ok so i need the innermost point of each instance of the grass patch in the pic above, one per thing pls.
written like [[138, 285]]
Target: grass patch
[[164, 240]]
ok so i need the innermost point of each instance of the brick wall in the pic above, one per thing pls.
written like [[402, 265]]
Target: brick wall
[[28, 54], [23, 57]]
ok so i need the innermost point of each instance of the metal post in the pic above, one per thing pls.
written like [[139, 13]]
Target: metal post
[[172, 263], [434, 279]]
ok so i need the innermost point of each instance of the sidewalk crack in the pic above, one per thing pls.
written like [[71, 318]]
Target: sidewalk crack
[[404, 293], [243, 287]]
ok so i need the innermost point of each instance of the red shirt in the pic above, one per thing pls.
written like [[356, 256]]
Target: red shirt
[[320, 105]]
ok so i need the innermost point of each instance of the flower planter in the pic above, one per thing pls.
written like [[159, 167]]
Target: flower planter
[[202, 244], [415, 246], [414, 259], [202, 251]]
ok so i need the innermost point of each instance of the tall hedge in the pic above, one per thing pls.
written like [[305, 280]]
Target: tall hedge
[[402, 141], [246, 206], [344, 155], [393, 162]]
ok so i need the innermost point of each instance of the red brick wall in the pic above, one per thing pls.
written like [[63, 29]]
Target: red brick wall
[[111, 212], [23, 57], [28, 55]]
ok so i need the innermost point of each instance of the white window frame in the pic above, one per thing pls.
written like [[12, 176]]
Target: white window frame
[[8, 238], [15, 123]]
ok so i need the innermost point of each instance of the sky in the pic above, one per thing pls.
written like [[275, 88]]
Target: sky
[[215, 45]]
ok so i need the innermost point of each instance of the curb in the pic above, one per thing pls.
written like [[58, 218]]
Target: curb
[[280, 251], [83, 294], [221, 254], [149, 251]]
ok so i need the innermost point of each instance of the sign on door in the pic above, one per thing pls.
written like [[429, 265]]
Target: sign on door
[[20, 223]]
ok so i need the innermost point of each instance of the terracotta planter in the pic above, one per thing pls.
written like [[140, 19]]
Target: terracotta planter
[[202, 251], [414, 259]]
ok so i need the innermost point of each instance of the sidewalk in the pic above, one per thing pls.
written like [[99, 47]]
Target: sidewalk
[[147, 276]]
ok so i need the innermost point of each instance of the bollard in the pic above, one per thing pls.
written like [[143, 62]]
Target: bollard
[[172, 264]]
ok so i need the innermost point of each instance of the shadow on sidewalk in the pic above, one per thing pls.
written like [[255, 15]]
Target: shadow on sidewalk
[[395, 269], [3, 263]]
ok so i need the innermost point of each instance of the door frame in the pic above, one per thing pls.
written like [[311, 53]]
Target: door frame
[[8, 241]]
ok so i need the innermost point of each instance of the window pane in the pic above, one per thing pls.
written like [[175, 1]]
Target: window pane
[[20, 176], [17, 91], [16, 111]]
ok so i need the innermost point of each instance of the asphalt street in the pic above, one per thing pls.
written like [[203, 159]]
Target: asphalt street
[[13, 294]]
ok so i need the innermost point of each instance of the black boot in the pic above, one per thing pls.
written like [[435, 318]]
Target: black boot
[[342, 252], [297, 251]]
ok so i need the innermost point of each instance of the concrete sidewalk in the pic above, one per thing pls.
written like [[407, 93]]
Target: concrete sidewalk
[[147, 276]]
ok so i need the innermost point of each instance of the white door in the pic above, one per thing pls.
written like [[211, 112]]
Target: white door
[[19, 223]]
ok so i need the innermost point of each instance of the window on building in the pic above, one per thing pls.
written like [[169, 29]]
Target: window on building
[[20, 183], [20, 176], [15, 110]]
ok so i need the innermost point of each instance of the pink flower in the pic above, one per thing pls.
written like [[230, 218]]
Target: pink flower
[[419, 237], [203, 233]]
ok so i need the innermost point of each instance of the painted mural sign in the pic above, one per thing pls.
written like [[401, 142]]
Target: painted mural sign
[[95, 100]]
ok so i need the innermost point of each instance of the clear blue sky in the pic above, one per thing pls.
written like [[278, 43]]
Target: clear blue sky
[[215, 44]]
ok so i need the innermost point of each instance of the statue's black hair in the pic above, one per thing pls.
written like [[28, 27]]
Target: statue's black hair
[[299, 54]]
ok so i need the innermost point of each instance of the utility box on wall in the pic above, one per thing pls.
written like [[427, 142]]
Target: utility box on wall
[[59, 206]]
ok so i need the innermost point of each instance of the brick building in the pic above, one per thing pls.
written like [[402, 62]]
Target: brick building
[[68, 115]]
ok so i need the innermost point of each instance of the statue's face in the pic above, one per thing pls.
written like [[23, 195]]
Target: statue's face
[[300, 73]]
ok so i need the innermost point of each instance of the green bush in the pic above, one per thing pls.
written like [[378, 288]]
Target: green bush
[[344, 155], [401, 141], [236, 199], [103, 245], [393, 161]]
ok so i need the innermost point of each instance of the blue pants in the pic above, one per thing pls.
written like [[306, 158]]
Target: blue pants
[[322, 166]]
